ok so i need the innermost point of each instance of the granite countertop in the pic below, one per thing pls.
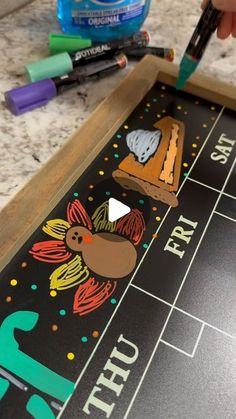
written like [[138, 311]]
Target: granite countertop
[[29, 140]]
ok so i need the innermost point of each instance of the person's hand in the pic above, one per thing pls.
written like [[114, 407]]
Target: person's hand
[[227, 25]]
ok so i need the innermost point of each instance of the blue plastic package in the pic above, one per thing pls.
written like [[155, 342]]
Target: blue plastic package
[[102, 20]]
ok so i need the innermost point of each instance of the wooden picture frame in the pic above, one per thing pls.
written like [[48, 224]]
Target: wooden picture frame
[[37, 198]]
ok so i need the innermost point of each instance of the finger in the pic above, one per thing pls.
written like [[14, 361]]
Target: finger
[[204, 4], [226, 6], [234, 26], [225, 26]]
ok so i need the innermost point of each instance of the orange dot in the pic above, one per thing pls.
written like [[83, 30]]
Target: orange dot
[[13, 282], [8, 299], [54, 327], [154, 236], [197, 137], [95, 334], [193, 154], [91, 186], [154, 208], [24, 264], [106, 158]]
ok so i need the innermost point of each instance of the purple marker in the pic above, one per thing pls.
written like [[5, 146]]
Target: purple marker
[[39, 93]]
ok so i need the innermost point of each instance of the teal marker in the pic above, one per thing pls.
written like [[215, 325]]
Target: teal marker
[[206, 26]]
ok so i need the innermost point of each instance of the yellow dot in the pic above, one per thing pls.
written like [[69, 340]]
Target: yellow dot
[[13, 282], [54, 327], [53, 293], [194, 145], [179, 108], [91, 186], [90, 198], [213, 108], [158, 218], [70, 356], [8, 299], [101, 173], [24, 264], [163, 87], [126, 126], [148, 105], [95, 334], [115, 145], [106, 158], [204, 125], [185, 164], [158, 115]]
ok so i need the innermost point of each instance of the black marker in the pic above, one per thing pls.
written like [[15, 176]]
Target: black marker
[[63, 63], [167, 53], [34, 95]]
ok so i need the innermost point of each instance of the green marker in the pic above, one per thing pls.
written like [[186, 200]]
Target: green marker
[[206, 26]]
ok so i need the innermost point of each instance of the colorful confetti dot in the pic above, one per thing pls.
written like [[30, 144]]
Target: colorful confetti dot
[[91, 186], [145, 246], [196, 102], [204, 125], [163, 87], [113, 301], [101, 172], [84, 339], [13, 282], [90, 198], [154, 100], [197, 137], [116, 156], [194, 145], [76, 194], [162, 95], [146, 110], [24, 264], [179, 107], [185, 164], [124, 194], [158, 218], [54, 327], [185, 113], [148, 105], [53, 293], [106, 158], [193, 154], [213, 118], [141, 201], [154, 208], [115, 145], [126, 127], [8, 299], [34, 287], [108, 193], [158, 115], [119, 136], [70, 356], [186, 174], [154, 236], [141, 117], [213, 108], [95, 334], [62, 312]]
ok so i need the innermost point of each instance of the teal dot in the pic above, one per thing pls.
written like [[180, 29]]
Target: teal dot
[[141, 201], [76, 194], [62, 312], [119, 136], [84, 339], [155, 99], [186, 174], [113, 301], [108, 193], [34, 287], [116, 155], [146, 110], [145, 246]]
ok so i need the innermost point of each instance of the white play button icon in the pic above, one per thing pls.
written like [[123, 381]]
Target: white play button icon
[[116, 210]]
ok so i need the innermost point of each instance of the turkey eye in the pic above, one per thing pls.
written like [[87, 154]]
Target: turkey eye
[[80, 238], [73, 238], [76, 234]]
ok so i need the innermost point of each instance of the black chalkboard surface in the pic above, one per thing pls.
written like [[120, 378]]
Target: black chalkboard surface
[[133, 317]]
